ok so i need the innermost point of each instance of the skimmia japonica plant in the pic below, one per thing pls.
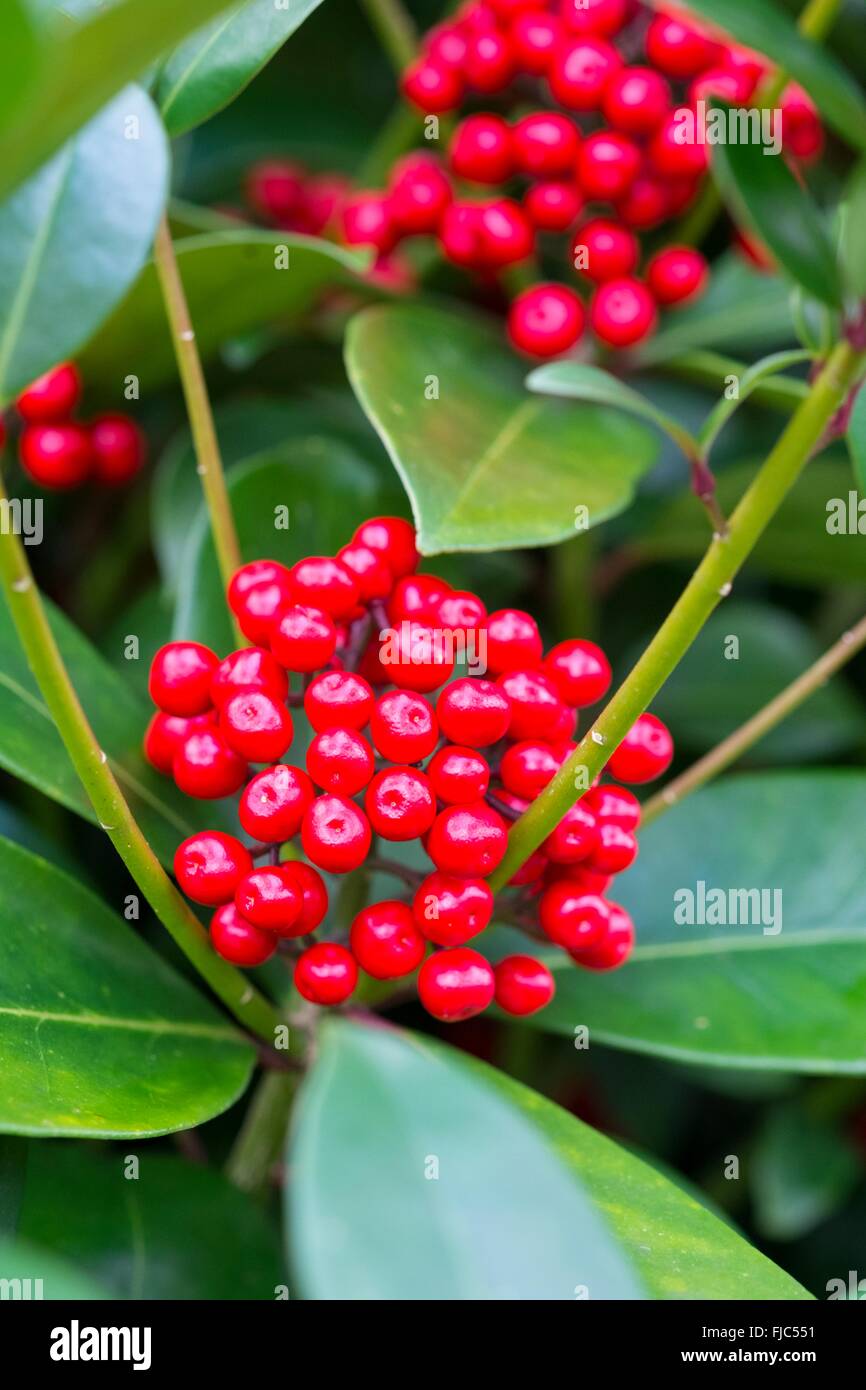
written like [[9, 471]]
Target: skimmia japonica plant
[[431, 539]]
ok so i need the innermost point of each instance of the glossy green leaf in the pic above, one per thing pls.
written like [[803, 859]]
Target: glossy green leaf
[[583, 382], [741, 995], [233, 284], [31, 748], [42, 1275], [474, 1187], [486, 465], [98, 1035], [853, 251], [857, 439], [19, 57], [213, 65], [742, 311], [74, 238], [761, 24], [801, 1169], [83, 64], [166, 1230]]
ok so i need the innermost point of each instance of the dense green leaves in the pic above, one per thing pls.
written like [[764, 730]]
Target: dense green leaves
[[19, 56], [157, 1228], [486, 466], [730, 994], [475, 1188], [234, 281], [74, 237], [209, 70], [741, 311], [98, 1035]]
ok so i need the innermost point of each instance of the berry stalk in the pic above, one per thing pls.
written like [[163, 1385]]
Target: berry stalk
[[711, 581], [748, 734]]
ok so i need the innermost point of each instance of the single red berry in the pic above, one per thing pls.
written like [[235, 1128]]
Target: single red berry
[[546, 144], [394, 538], [579, 72], [535, 704], [166, 732], [210, 865], [338, 700], [461, 611], [523, 985], [450, 911], [314, 895], [240, 941], [303, 639], [418, 657], [615, 850], [535, 36], [622, 312], [506, 233], [417, 596], [419, 191], [528, 766], [473, 713], [335, 834], [257, 726], [205, 766], [372, 575], [274, 803], [546, 320], [400, 803], [269, 898], [552, 206], [616, 805], [56, 456], [52, 397], [802, 132], [675, 151], [604, 17], [571, 918], [259, 608], [446, 44], [322, 199], [604, 250], [250, 668], [636, 100], [613, 947], [482, 149], [607, 165], [644, 754], [367, 221], [646, 203], [432, 86], [385, 941], [326, 974], [340, 760], [582, 877], [678, 49], [274, 190], [728, 84], [459, 775], [180, 678], [321, 582], [455, 984], [489, 62], [575, 837], [461, 236], [579, 670], [676, 274], [403, 726], [513, 641], [468, 841], [119, 449], [530, 871], [255, 573]]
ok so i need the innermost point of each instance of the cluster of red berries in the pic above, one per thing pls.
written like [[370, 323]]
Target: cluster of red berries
[[367, 640], [607, 166], [58, 452], [283, 194]]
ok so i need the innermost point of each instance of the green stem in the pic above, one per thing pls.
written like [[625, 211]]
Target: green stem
[[259, 1143], [782, 393], [748, 734], [112, 809], [395, 30], [711, 581]]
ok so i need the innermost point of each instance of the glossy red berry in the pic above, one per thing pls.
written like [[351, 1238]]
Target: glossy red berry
[[385, 940], [210, 865], [535, 36], [579, 72], [340, 760], [274, 189], [552, 206], [417, 597], [622, 313], [180, 678], [338, 700], [546, 320], [727, 84], [446, 44], [636, 100], [400, 803], [527, 767], [676, 274], [523, 985], [505, 232], [575, 838], [367, 221], [403, 726], [418, 657], [605, 17], [393, 538], [240, 941], [302, 638], [459, 775], [166, 732], [450, 911], [513, 641], [259, 608], [56, 456], [535, 704], [419, 192], [678, 49], [326, 974], [257, 726], [614, 805], [434, 87], [579, 670], [572, 918], [373, 577], [482, 149], [52, 397], [462, 237], [118, 448], [489, 62], [802, 132], [314, 895], [473, 713], [455, 984], [205, 766], [468, 841], [615, 849], [461, 611], [646, 203], [335, 834], [546, 144], [607, 165], [604, 250], [274, 803], [257, 572], [613, 947], [645, 753], [674, 150], [325, 583], [269, 898], [250, 668]]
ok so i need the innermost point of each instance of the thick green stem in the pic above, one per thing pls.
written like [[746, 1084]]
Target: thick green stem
[[108, 801], [260, 1140], [710, 583], [748, 734], [395, 30]]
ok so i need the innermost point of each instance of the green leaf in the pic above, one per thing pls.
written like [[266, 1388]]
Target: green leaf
[[42, 1275], [173, 1231], [760, 189], [19, 57], [583, 382], [749, 381], [857, 438], [99, 1036], [801, 1170], [853, 253], [486, 466], [32, 750], [421, 1174], [209, 70], [13, 1166], [731, 995], [718, 686], [83, 65], [73, 238], [232, 284], [762, 25]]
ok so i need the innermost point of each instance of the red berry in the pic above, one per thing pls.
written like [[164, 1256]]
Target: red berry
[[580, 71], [546, 144], [450, 911], [574, 838], [419, 192], [210, 865], [403, 726], [674, 150], [240, 941], [250, 668], [645, 204], [259, 608], [523, 985], [326, 974], [400, 803], [482, 149], [636, 100], [56, 456], [535, 36], [616, 805], [335, 834], [385, 941], [432, 86], [118, 448], [417, 596], [552, 207], [604, 250], [269, 898], [489, 62], [338, 700], [615, 850], [546, 320], [314, 895], [459, 775], [461, 236], [676, 274], [322, 200], [321, 582], [52, 397], [274, 802], [579, 670], [473, 713], [802, 133], [461, 611], [468, 841], [303, 638], [505, 232], [205, 766], [527, 767], [605, 17], [678, 49], [445, 44], [166, 732], [535, 704], [417, 657], [180, 678], [622, 312], [372, 575], [257, 572], [613, 947], [645, 753], [340, 760], [367, 221], [394, 538], [513, 641], [728, 84], [274, 190], [455, 984], [572, 918], [607, 165], [257, 726]]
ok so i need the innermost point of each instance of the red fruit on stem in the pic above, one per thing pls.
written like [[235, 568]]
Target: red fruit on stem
[[468, 841], [255, 573], [546, 144], [527, 767], [645, 753], [523, 985], [450, 911], [400, 803], [373, 577], [552, 206], [489, 62], [636, 100], [546, 320], [535, 703], [259, 608], [678, 49], [274, 803], [572, 918], [326, 974], [385, 940], [314, 895], [367, 221], [403, 727], [180, 678], [622, 312], [269, 898], [325, 583], [458, 775], [417, 596], [535, 37], [340, 760], [209, 866], [250, 668], [676, 151], [604, 250], [335, 834], [239, 941], [418, 657], [455, 984], [394, 538], [205, 766], [166, 732], [258, 727], [579, 73], [473, 713], [579, 670], [613, 947], [432, 86], [118, 447], [575, 837], [513, 641], [303, 639], [676, 274], [482, 149], [604, 17], [607, 165], [615, 849], [274, 190], [613, 804], [56, 456], [52, 397], [419, 192], [338, 700], [461, 611]]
